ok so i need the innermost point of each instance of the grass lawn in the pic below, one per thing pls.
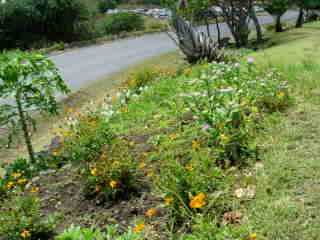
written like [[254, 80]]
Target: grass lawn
[[287, 204]]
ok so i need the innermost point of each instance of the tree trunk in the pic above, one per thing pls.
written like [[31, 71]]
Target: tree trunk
[[208, 27], [300, 19], [218, 30], [256, 22], [25, 130], [278, 24]]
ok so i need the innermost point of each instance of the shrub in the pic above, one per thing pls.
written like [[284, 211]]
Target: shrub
[[123, 22], [115, 174], [79, 233], [22, 23], [229, 100], [84, 140], [20, 218], [105, 5]]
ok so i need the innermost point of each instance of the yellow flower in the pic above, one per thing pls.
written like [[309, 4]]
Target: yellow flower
[[150, 173], [253, 236], [16, 175], [25, 234], [142, 165], [139, 228], [224, 138], [93, 171], [113, 184], [114, 99], [189, 167], [115, 163], [198, 201], [151, 212], [195, 145], [22, 181], [280, 95], [173, 136], [34, 190], [124, 109], [55, 153], [168, 200], [10, 185]]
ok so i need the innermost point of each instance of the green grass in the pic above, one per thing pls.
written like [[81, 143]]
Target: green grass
[[287, 204]]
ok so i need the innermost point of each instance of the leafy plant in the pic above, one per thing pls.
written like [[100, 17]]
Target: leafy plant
[[79, 233], [115, 174], [123, 22], [28, 84], [105, 5], [20, 218]]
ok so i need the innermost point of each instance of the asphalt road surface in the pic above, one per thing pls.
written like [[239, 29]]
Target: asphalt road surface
[[81, 67]]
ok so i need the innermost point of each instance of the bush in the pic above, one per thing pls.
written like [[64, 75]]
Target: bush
[[105, 5], [123, 22], [20, 218], [22, 23], [115, 174], [79, 233]]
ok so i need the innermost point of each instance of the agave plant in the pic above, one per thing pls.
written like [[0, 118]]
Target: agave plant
[[195, 44]]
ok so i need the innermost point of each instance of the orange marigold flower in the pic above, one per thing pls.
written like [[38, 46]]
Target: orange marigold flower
[[113, 184], [139, 228], [25, 234], [168, 200], [98, 188], [198, 201], [151, 212], [195, 145]]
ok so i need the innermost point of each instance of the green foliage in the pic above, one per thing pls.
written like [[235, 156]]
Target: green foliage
[[123, 22], [276, 7], [85, 138], [25, 22], [229, 101], [79, 233], [28, 83], [105, 5], [20, 218], [115, 174]]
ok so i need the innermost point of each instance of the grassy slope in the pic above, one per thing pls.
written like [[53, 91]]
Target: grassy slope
[[287, 205], [78, 100]]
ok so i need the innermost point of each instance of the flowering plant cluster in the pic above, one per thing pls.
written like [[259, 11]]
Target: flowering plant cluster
[[115, 175], [228, 100]]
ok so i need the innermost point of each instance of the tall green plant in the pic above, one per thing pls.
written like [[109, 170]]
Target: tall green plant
[[28, 83]]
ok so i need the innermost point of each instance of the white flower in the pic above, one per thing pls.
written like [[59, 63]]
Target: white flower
[[250, 60]]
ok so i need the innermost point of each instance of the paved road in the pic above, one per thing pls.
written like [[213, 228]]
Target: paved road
[[81, 67]]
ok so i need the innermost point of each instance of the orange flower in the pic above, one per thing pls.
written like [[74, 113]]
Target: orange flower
[[98, 188], [151, 212], [113, 184], [195, 145], [173, 136], [168, 200], [139, 228], [198, 201], [25, 234]]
